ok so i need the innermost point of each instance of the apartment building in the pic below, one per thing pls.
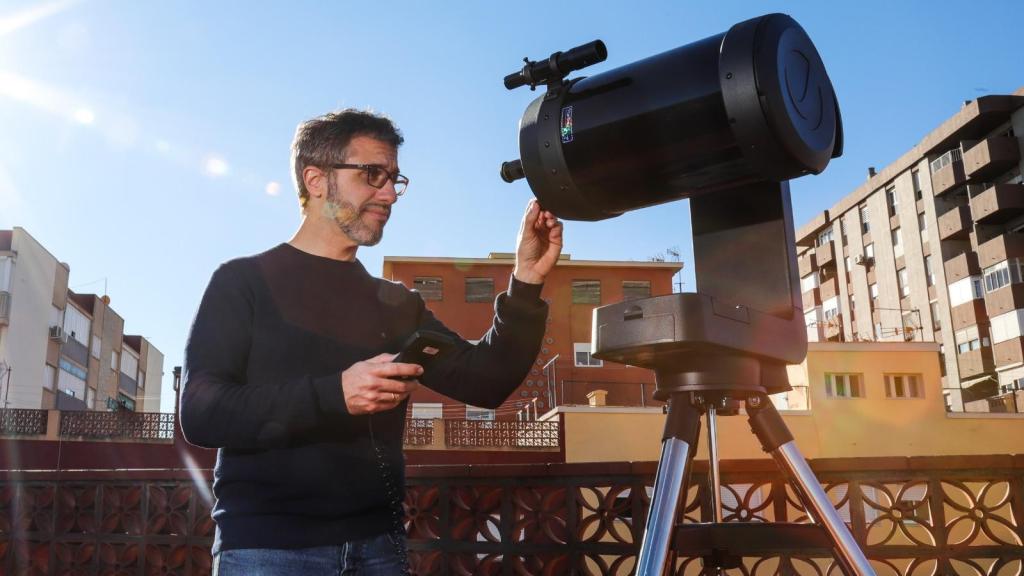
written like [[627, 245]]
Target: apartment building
[[931, 248], [461, 291], [62, 350]]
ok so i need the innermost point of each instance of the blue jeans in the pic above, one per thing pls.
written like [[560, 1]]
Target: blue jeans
[[378, 556]]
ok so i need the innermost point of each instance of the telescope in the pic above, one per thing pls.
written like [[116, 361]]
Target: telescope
[[725, 122]]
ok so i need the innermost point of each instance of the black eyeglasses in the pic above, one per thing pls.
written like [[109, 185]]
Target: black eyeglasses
[[378, 176]]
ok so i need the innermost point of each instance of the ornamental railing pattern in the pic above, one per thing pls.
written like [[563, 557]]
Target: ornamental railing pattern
[[419, 432], [117, 425], [500, 434], [22, 422], [912, 516]]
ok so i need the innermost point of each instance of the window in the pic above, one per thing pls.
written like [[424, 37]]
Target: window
[[903, 386], [1007, 326], [474, 413], [902, 282], [878, 331], [126, 401], [809, 282], [1003, 274], [936, 321], [846, 262], [635, 289], [929, 274], [869, 251], [6, 271], [853, 302], [77, 325], [830, 308], [969, 339], [897, 242], [892, 200], [843, 386], [873, 290], [586, 291], [96, 342], [824, 237], [429, 287], [71, 383], [865, 222], [115, 363], [480, 290], [922, 225], [582, 356], [129, 363], [964, 290], [915, 181], [142, 380], [842, 228]]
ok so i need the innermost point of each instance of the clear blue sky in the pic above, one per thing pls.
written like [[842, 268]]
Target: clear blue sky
[[146, 142]]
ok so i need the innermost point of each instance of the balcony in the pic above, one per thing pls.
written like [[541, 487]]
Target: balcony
[[812, 299], [1009, 353], [1000, 248], [5, 308], [825, 255], [1005, 299], [806, 263], [947, 172], [962, 266], [998, 204], [968, 314], [976, 362], [127, 384], [955, 224], [991, 157], [828, 288]]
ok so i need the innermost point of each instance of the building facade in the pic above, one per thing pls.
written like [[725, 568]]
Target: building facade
[[461, 291], [62, 350], [931, 249]]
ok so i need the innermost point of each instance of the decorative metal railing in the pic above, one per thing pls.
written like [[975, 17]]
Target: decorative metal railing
[[418, 432], [22, 422], [500, 434], [117, 425], [912, 516]]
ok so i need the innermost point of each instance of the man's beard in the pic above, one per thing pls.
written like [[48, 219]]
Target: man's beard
[[349, 218]]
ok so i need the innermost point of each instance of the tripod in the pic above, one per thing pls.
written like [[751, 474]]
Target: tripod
[[725, 346], [721, 546]]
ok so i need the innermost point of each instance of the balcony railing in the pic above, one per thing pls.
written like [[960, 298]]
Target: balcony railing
[[23, 422], [947, 172], [945, 515], [501, 434], [998, 204], [990, 157], [955, 224], [120, 425], [961, 266]]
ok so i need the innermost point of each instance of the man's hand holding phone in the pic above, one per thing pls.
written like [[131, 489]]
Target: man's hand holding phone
[[378, 384]]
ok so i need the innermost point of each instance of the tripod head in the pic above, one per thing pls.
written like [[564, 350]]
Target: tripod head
[[726, 122]]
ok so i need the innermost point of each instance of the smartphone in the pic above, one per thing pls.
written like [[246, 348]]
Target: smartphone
[[425, 348]]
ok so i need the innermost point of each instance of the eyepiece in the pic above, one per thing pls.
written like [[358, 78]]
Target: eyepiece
[[557, 66], [512, 171]]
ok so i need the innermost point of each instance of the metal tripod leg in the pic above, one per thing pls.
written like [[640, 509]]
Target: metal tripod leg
[[678, 446], [776, 439]]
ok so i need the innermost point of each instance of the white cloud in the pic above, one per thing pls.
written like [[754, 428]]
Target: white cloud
[[273, 188], [32, 15]]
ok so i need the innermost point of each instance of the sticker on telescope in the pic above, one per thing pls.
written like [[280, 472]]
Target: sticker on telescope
[[566, 124]]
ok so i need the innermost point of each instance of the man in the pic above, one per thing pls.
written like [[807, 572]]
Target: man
[[289, 367]]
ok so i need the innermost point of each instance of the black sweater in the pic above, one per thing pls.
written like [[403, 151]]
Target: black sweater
[[262, 383]]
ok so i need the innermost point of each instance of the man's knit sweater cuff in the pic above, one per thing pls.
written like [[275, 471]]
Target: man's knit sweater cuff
[[523, 291]]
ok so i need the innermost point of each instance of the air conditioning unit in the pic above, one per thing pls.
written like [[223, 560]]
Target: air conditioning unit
[[58, 333], [863, 260]]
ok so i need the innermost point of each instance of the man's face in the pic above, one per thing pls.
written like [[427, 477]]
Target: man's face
[[360, 210]]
